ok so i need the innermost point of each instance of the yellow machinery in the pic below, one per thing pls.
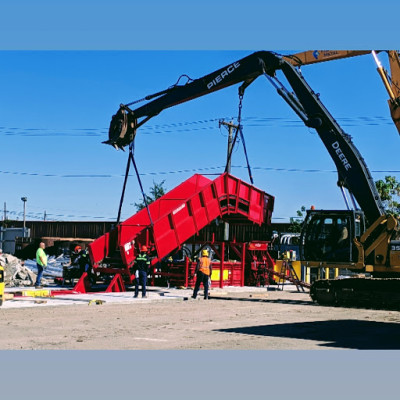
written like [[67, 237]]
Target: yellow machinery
[[1, 285]]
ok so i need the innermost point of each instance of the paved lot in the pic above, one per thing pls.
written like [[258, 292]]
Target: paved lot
[[234, 318]]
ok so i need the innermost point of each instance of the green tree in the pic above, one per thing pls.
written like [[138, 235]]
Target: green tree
[[389, 190], [6, 223], [156, 191], [297, 222]]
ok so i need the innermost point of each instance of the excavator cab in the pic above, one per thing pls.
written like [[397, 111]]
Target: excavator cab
[[327, 236]]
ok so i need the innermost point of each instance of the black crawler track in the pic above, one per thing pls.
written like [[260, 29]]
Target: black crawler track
[[358, 292]]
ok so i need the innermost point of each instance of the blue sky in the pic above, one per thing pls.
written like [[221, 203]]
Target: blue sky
[[56, 107]]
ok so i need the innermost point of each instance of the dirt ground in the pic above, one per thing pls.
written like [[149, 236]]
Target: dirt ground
[[267, 320]]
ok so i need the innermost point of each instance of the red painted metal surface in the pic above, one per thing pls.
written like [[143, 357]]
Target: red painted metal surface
[[247, 264], [178, 215], [178, 275], [262, 264], [116, 284]]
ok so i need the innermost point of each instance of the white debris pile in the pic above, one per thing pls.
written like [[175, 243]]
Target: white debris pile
[[15, 272], [54, 267]]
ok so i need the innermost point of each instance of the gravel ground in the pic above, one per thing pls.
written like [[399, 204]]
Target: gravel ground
[[234, 318]]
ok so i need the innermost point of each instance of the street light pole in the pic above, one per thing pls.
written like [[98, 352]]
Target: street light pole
[[24, 199]]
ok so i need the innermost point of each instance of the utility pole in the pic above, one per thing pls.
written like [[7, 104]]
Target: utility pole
[[230, 126], [5, 211], [44, 216], [24, 199]]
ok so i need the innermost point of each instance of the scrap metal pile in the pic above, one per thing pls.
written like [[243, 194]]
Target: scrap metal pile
[[19, 273]]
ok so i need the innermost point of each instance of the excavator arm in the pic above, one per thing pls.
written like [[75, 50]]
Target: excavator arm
[[390, 79], [352, 170], [394, 86], [317, 56], [126, 121]]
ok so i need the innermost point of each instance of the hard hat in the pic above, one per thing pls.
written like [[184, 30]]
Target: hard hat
[[77, 249], [204, 253], [144, 248]]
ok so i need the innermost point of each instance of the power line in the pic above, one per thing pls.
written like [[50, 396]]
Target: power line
[[182, 171], [189, 126], [55, 217]]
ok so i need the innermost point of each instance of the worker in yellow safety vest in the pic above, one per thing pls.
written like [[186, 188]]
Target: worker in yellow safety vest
[[203, 273], [142, 268], [41, 264]]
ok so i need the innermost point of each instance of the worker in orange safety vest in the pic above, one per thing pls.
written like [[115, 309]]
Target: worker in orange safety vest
[[203, 273]]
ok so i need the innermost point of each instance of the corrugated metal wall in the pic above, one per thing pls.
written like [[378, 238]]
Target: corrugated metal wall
[[93, 230], [67, 229]]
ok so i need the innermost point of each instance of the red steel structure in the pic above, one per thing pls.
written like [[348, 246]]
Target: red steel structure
[[175, 217], [250, 264]]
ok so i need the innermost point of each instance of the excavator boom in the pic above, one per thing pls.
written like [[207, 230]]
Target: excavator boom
[[391, 80], [394, 103], [317, 56]]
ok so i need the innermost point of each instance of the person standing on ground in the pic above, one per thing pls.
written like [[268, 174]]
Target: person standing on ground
[[41, 263], [203, 273], [142, 266]]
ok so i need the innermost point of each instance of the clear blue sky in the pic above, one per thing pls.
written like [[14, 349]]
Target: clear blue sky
[[56, 107]]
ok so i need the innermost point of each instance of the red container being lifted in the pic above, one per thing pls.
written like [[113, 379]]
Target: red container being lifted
[[180, 214]]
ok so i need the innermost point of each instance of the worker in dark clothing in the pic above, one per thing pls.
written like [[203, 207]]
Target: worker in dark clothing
[[203, 273], [75, 255], [83, 261], [141, 266], [79, 259]]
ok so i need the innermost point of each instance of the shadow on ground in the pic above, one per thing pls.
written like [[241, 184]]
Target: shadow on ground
[[349, 334], [306, 302]]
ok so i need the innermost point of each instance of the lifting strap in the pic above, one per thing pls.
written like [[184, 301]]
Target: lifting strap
[[132, 158], [239, 130]]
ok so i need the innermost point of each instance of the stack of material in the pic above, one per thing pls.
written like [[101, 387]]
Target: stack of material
[[54, 266], [16, 274]]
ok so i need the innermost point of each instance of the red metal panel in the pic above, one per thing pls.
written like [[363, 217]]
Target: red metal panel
[[141, 218], [219, 184], [164, 236], [260, 246], [127, 232], [256, 205], [211, 202], [199, 212], [182, 212], [244, 191], [184, 223], [172, 224], [231, 184], [98, 249]]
